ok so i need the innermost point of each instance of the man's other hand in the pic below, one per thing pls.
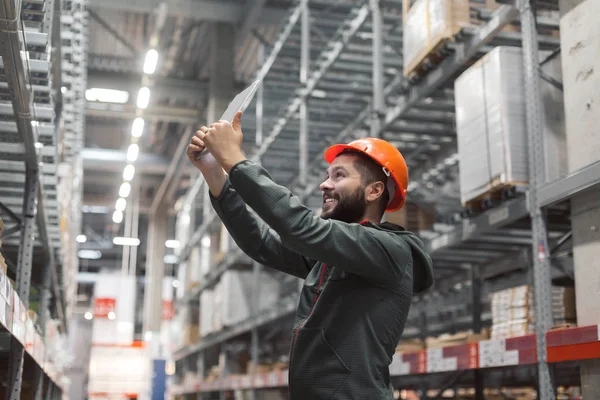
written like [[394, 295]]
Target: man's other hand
[[224, 141]]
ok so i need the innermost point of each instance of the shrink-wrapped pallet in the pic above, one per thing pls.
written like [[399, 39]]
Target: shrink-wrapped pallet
[[492, 129], [428, 24], [490, 124], [238, 291]]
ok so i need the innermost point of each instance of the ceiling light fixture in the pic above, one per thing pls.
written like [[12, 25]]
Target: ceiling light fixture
[[126, 241], [137, 128], [117, 217], [132, 152], [143, 98], [81, 239], [150, 61], [129, 172], [121, 204], [125, 190], [89, 254], [172, 244], [107, 95]]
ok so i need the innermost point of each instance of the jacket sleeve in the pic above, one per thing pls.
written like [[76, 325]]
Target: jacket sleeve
[[377, 255], [254, 237]]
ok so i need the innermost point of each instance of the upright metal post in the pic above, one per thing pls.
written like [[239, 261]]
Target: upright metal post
[[44, 306], [378, 92], [256, 270], [135, 222], [128, 214], [25, 258], [256, 267], [259, 101], [304, 70], [477, 308], [541, 266]]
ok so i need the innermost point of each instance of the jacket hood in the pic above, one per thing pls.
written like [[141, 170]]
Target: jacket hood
[[422, 263]]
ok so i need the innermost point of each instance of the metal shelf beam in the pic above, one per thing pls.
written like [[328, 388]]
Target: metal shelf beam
[[574, 183]]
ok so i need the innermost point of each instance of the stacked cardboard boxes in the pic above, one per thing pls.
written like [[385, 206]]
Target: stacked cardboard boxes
[[428, 24], [513, 310], [413, 217]]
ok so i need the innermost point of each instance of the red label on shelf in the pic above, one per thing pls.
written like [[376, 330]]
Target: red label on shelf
[[473, 356], [422, 362], [168, 310], [103, 306], [563, 337]]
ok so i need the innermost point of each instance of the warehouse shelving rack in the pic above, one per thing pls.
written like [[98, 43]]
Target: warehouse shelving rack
[[525, 228], [30, 158]]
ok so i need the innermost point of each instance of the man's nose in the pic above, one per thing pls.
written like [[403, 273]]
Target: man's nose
[[326, 185]]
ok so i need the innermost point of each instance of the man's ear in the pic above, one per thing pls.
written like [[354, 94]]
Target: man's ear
[[374, 191]]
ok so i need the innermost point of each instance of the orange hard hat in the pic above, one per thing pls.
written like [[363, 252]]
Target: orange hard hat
[[386, 155]]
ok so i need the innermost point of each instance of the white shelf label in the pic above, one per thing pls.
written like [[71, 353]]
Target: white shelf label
[[3, 311], [3, 285], [503, 359], [399, 367]]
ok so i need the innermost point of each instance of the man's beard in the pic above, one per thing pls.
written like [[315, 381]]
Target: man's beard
[[350, 208]]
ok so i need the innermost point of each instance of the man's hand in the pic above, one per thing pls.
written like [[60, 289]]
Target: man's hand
[[209, 167], [207, 163], [224, 141]]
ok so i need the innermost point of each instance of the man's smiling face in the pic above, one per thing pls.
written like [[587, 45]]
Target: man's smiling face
[[343, 191]]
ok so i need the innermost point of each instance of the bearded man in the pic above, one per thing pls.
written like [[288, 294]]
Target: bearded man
[[359, 273]]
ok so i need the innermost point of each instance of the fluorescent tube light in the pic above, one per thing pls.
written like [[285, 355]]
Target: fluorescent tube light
[[89, 254], [121, 204], [128, 172], [143, 98], [107, 95], [172, 244], [150, 61], [125, 190], [81, 239], [137, 128], [117, 217], [126, 241], [132, 152]]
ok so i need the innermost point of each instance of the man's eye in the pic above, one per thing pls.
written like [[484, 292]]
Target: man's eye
[[339, 175]]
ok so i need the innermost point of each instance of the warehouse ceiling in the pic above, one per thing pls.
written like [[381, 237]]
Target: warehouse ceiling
[[119, 35]]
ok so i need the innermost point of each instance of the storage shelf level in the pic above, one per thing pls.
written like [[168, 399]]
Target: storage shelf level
[[563, 345]]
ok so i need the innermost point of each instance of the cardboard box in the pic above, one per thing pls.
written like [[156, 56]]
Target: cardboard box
[[413, 217]]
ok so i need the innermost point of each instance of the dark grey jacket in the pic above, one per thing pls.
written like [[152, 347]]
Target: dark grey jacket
[[359, 280]]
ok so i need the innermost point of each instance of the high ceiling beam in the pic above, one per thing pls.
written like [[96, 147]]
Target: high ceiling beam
[[109, 160], [189, 90], [202, 10], [153, 112]]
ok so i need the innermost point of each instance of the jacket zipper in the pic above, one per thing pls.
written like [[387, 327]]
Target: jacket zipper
[[306, 319]]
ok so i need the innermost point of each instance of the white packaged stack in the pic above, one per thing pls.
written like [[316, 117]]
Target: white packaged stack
[[491, 123], [237, 289], [230, 302], [207, 312]]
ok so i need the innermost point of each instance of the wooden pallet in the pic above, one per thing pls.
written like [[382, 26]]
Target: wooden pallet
[[497, 192], [434, 56], [568, 325]]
